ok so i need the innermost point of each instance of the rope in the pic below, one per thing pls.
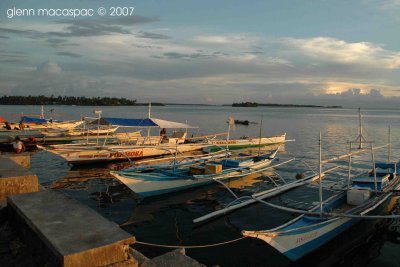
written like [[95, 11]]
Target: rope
[[188, 247]]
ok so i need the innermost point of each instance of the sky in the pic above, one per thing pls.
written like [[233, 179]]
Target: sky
[[211, 52]]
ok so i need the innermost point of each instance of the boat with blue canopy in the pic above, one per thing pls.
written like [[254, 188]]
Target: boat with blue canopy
[[359, 198], [130, 147]]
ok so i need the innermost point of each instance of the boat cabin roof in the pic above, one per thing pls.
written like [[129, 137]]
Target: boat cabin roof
[[144, 123]]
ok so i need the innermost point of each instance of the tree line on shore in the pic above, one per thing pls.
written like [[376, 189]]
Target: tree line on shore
[[66, 100]]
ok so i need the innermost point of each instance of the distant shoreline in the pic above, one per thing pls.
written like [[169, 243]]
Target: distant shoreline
[[254, 104], [108, 101]]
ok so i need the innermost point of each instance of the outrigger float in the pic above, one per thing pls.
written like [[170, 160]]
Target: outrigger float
[[233, 144]]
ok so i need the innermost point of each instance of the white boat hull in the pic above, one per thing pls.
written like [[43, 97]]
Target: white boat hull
[[152, 184], [218, 144], [297, 244], [84, 154]]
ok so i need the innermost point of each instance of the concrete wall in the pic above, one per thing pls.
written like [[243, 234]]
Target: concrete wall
[[15, 179]]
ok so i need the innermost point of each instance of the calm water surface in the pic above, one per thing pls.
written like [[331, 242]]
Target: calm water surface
[[168, 219]]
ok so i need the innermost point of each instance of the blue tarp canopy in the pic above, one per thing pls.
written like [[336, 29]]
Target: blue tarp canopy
[[130, 122], [34, 120], [384, 165], [141, 123]]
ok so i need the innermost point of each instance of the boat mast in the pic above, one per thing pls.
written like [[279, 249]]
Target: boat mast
[[389, 145], [360, 138], [231, 122], [42, 113], [148, 128], [349, 170], [98, 113], [320, 173], [259, 141]]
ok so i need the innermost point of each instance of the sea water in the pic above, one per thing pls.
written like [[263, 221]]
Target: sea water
[[168, 219]]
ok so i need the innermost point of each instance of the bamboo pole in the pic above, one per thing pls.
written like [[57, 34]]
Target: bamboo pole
[[351, 154]]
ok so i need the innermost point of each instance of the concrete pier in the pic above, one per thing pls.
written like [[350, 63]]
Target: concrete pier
[[23, 159], [171, 259], [67, 233], [14, 178]]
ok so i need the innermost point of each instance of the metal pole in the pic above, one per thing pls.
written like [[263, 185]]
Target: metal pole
[[176, 153], [320, 173], [149, 110], [374, 169], [148, 129], [98, 128], [349, 174], [259, 141], [227, 139], [360, 146], [389, 145]]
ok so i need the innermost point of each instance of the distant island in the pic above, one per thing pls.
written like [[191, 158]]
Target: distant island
[[245, 104], [70, 100], [254, 104]]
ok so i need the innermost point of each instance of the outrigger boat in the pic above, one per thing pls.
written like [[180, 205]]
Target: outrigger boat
[[233, 144], [44, 124], [162, 181], [360, 198], [136, 148]]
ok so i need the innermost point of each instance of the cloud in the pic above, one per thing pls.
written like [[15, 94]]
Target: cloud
[[175, 55], [128, 20], [85, 28], [358, 93], [339, 51], [29, 33], [12, 60], [104, 26], [63, 85], [212, 39], [57, 43], [69, 54], [150, 35], [49, 67]]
